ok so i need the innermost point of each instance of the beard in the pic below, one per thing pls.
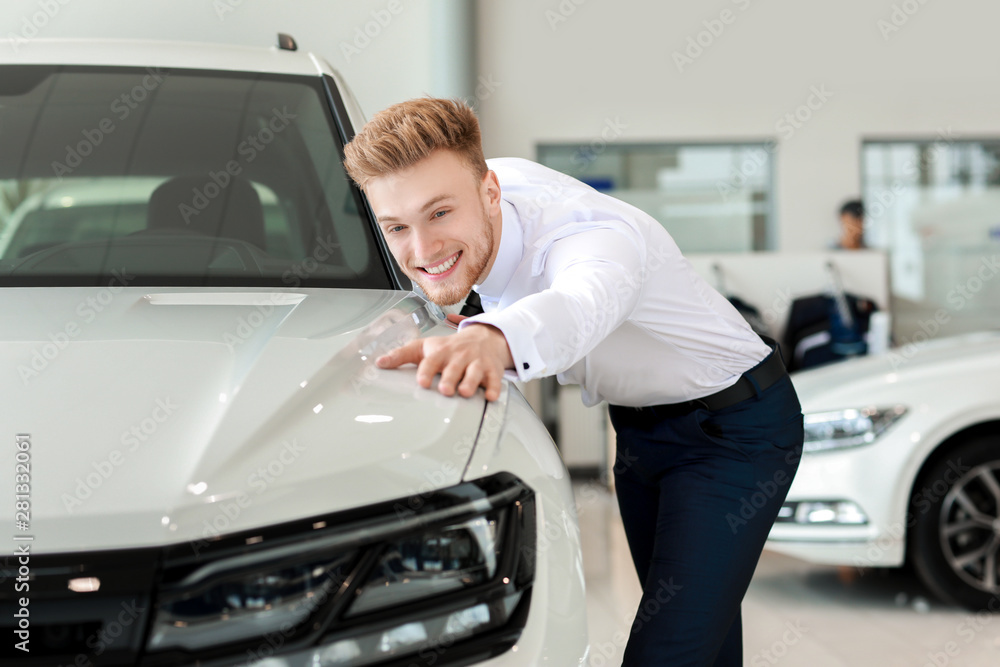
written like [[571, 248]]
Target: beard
[[473, 263]]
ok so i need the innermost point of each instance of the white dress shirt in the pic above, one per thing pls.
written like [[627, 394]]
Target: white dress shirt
[[594, 291]]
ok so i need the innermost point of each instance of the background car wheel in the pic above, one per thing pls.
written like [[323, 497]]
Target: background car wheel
[[955, 540]]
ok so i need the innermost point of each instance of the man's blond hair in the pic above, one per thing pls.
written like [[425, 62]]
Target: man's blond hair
[[405, 133]]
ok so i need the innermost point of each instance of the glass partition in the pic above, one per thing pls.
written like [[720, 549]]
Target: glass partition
[[934, 205], [710, 197]]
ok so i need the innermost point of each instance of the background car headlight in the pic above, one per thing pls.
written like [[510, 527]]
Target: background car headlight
[[839, 429]]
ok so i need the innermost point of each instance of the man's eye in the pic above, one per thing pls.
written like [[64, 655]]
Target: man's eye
[[439, 214], [395, 228]]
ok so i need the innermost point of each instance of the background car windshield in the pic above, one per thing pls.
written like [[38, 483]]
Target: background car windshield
[[159, 177]]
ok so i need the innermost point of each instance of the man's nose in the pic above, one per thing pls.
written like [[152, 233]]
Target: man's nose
[[426, 244]]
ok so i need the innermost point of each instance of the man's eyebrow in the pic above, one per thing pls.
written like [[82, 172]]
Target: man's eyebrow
[[430, 204]]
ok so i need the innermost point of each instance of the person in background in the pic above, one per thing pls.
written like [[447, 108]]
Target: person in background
[[852, 226]]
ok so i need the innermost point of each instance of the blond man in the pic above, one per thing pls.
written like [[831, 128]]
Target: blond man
[[582, 286]]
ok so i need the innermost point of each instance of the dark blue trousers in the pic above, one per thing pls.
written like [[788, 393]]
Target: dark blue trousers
[[698, 493]]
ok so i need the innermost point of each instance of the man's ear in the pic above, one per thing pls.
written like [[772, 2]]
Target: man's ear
[[491, 192]]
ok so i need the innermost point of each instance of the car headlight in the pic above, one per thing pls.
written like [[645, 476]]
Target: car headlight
[[435, 563], [361, 589], [235, 607], [839, 429]]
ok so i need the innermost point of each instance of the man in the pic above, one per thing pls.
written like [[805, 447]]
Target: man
[[852, 226], [585, 287]]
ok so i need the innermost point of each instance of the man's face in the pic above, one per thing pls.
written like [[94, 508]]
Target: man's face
[[853, 229], [440, 223]]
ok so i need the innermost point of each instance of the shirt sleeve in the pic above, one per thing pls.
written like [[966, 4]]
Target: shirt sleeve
[[593, 283]]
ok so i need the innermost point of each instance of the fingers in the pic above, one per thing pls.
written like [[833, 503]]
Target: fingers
[[428, 368], [493, 386], [477, 375], [458, 370], [411, 353], [461, 371], [455, 318]]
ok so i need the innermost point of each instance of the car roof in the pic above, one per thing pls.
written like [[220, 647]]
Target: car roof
[[156, 53]]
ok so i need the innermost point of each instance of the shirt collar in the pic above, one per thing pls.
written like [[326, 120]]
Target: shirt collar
[[508, 256]]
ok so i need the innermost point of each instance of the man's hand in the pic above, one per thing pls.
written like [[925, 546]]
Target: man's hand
[[474, 357]]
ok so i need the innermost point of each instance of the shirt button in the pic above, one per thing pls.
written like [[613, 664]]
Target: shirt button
[[526, 365]]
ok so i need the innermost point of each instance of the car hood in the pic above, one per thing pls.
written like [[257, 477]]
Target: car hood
[[164, 415], [865, 379]]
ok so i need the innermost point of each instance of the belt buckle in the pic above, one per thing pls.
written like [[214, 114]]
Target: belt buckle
[[703, 402]]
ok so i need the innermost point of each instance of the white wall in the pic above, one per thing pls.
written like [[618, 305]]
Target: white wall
[[394, 65], [565, 80]]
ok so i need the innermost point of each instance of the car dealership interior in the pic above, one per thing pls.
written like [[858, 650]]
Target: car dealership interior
[[196, 294]]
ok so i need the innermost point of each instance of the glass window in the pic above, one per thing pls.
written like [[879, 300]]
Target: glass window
[[177, 177], [710, 197], [934, 205]]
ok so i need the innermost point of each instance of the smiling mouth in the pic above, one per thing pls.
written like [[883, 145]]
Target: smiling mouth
[[443, 267]]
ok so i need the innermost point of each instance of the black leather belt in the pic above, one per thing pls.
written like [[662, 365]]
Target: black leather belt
[[764, 374]]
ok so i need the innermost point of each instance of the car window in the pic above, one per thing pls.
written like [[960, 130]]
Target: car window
[[176, 177]]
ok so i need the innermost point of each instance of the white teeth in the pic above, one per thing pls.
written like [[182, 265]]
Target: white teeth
[[442, 267]]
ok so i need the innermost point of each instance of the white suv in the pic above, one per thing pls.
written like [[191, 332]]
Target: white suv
[[203, 465]]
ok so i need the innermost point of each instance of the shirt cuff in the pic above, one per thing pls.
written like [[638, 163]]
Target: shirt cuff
[[528, 363]]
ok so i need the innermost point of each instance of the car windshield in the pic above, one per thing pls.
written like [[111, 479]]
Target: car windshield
[[176, 177]]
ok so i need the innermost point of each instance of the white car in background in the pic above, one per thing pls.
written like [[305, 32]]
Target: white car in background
[[208, 467], [902, 465]]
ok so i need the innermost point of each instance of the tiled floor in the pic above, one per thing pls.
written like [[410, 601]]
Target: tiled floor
[[795, 614]]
